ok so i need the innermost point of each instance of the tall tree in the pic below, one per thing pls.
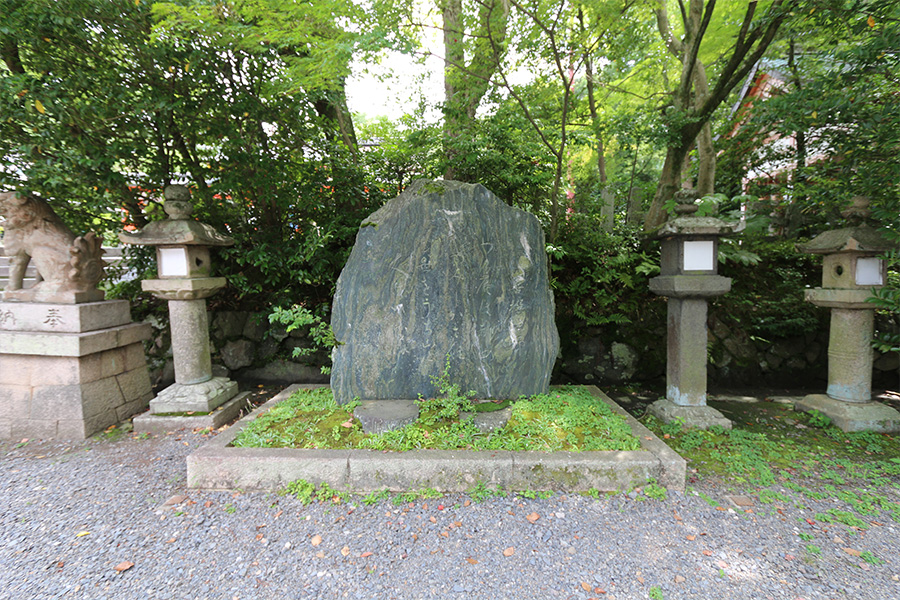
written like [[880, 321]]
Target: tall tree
[[474, 39], [694, 99]]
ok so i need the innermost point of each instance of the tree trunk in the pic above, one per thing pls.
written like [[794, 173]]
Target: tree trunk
[[333, 108], [608, 208], [465, 83], [692, 101], [669, 183]]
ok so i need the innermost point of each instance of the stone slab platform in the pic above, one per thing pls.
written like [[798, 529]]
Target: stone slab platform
[[159, 424], [219, 466]]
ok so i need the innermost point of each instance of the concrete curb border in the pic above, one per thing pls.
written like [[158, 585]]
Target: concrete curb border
[[218, 466]]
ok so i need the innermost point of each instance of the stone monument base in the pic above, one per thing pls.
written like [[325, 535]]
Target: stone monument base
[[699, 417], [853, 416], [163, 423], [68, 371]]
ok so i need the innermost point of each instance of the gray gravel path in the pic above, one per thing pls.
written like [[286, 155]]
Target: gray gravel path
[[70, 513]]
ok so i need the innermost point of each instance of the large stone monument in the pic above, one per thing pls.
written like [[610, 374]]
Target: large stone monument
[[71, 364], [851, 269], [446, 269], [688, 275], [196, 399]]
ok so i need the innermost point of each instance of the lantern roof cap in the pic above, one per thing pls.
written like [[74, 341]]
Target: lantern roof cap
[[861, 238], [688, 225], [179, 229]]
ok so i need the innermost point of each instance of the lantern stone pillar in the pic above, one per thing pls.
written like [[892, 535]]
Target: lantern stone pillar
[[851, 270], [688, 276], [196, 399]]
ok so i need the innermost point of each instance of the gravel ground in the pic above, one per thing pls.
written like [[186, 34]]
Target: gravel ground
[[71, 513]]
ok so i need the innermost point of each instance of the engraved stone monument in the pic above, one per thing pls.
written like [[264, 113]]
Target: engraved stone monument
[[71, 364], [444, 273]]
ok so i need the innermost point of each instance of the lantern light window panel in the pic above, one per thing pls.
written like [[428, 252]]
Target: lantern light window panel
[[868, 271], [699, 255], [173, 262]]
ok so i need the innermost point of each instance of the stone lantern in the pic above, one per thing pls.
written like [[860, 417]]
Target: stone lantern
[[196, 399], [688, 276], [851, 270]]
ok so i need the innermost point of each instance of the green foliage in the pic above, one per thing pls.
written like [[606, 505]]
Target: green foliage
[[376, 497], [301, 489], [766, 298], [654, 490], [449, 405], [602, 278], [655, 593], [481, 492], [871, 558], [534, 494], [297, 317], [818, 419]]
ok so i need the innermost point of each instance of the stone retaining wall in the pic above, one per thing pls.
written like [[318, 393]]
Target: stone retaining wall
[[246, 347]]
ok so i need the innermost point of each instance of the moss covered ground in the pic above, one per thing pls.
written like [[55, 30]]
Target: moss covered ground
[[783, 456], [564, 419]]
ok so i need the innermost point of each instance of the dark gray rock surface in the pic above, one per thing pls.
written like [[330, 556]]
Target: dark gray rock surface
[[445, 269]]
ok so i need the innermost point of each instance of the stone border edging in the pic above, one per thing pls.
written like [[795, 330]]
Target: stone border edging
[[218, 466]]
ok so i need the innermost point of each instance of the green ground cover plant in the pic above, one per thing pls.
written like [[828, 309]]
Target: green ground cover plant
[[565, 419], [784, 456]]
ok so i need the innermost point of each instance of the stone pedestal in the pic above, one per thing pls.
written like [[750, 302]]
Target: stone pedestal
[[68, 370], [196, 399], [850, 355], [848, 399], [853, 416], [686, 349]]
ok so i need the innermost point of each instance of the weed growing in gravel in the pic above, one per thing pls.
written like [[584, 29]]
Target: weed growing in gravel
[[568, 419], [481, 492], [654, 490], [301, 489], [871, 558], [533, 494], [655, 593], [376, 497]]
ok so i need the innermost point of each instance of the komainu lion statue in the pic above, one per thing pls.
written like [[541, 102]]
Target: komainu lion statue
[[64, 263]]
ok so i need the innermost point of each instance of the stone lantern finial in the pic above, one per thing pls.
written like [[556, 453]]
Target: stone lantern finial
[[178, 202]]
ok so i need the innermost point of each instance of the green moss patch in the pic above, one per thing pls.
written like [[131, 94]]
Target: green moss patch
[[565, 419], [786, 456]]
